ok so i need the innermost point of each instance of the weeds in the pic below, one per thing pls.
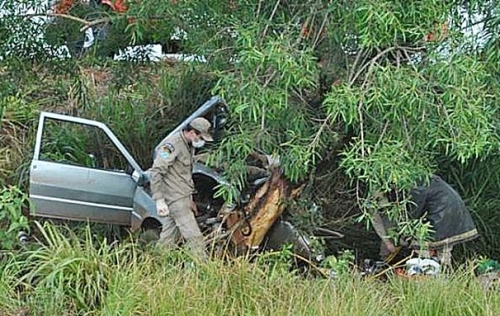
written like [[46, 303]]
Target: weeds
[[67, 274], [342, 264], [77, 268], [12, 221]]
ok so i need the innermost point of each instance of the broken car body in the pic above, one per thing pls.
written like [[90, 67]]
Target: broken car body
[[107, 185]]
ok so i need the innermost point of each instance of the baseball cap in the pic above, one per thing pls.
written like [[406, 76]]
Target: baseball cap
[[202, 125]]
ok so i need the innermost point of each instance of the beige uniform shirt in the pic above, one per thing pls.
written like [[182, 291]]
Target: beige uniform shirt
[[172, 171]]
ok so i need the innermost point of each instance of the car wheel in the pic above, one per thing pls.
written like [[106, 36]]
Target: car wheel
[[283, 233], [149, 236]]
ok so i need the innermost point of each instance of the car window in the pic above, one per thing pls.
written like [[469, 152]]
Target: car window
[[81, 145]]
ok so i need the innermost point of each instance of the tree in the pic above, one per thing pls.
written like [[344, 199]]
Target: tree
[[393, 87]]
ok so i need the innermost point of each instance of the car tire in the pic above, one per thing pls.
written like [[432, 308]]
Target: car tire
[[149, 236], [283, 233]]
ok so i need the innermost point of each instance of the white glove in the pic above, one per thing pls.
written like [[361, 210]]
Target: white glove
[[162, 208]]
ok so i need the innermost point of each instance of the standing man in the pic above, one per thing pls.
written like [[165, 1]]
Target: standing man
[[172, 185], [443, 207]]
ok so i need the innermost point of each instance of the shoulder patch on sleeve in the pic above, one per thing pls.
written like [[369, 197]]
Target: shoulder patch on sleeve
[[166, 150]]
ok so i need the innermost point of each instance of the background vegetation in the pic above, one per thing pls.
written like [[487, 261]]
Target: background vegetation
[[354, 96], [79, 273]]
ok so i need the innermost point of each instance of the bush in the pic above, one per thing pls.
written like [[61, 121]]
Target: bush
[[12, 221], [78, 269]]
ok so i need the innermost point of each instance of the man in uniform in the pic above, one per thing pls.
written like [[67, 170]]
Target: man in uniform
[[443, 207], [172, 185]]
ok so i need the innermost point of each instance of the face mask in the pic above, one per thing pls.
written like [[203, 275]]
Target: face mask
[[199, 143]]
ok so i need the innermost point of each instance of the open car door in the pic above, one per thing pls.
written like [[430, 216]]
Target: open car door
[[80, 171]]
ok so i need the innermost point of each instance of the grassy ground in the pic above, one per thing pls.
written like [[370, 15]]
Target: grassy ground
[[69, 273]]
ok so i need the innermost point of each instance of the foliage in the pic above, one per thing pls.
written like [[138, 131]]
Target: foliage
[[278, 264], [410, 103], [78, 270], [305, 215], [341, 265], [12, 220], [128, 281], [486, 265], [23, 36], [397, 89], [16, 115]]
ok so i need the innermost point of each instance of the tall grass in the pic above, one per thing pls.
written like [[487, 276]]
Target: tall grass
[[16, 115], [457, 294], [68, 274]]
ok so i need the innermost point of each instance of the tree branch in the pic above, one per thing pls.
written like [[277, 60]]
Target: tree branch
[[379, 55], [86, 24], [322, 27], [270, 19], [56, 15], [315, 140], [95, 22], [371, 63]]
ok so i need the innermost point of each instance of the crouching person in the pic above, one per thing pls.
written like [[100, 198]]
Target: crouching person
[[439, 204], [172, 186]]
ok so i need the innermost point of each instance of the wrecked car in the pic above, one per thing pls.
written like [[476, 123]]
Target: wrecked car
[[103, 183]]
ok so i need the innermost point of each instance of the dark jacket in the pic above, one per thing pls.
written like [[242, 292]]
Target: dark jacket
[[445, 210]]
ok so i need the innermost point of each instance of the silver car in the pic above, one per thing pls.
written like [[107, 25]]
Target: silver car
[[81, 171]]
